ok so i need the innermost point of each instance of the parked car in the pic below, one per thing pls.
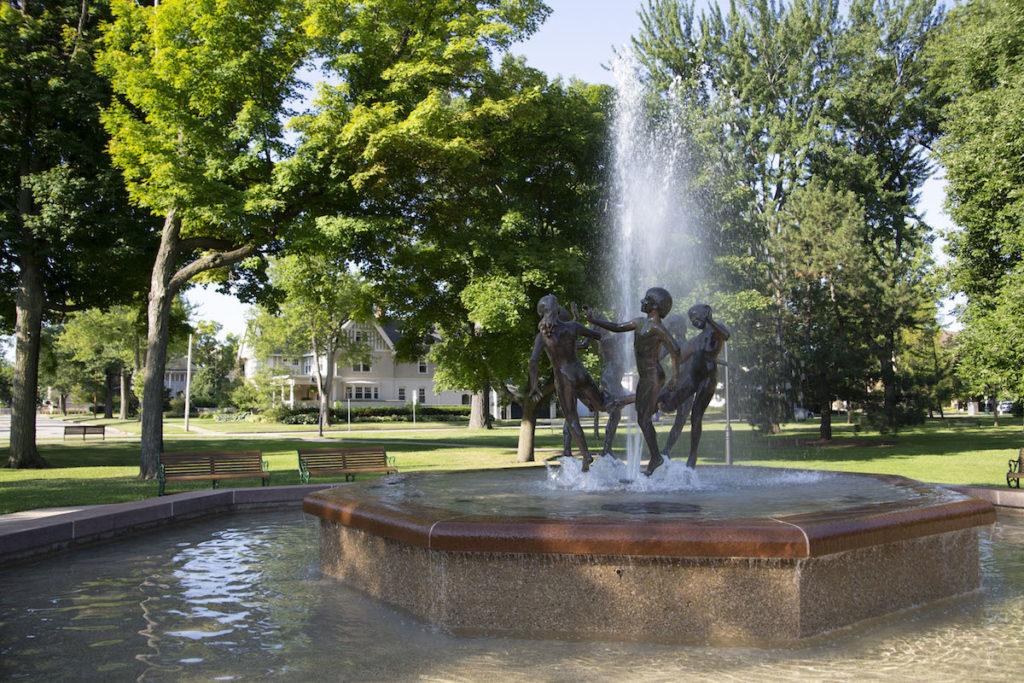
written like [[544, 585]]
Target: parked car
[[1006, 406]]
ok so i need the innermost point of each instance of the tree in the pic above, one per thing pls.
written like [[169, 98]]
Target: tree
[[885, 117], [978, 65], [772, 95], [105, 344], [527, 211], [403, 147], [215, 375], [825, 271], [197, 129], [749, 88], [321, 295], [64, 216]]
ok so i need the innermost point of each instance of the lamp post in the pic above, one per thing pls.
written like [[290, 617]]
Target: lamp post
[[188, 382], [728, 413]]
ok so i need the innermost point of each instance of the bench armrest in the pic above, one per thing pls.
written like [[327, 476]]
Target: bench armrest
[[391, 460], [264, 466], [1014, 465]]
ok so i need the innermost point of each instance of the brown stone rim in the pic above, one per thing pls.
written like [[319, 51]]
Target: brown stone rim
[[786, 537]]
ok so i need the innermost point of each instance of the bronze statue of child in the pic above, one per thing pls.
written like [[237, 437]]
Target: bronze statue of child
[[649, 335], [699, 377], [557, 335]]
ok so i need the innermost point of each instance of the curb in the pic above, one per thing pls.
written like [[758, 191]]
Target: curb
[[29, 538]]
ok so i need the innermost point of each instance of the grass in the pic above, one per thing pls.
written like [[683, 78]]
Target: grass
[[92, 472]]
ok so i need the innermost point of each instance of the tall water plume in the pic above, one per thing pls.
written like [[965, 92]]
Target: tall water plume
[[652, 241]]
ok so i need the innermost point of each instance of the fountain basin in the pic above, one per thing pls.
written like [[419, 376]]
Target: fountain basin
[[750, 555]]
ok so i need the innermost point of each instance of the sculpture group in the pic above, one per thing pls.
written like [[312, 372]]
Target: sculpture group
[[656, 335]]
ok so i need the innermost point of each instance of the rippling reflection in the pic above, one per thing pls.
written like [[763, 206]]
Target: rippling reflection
[[241, 597]]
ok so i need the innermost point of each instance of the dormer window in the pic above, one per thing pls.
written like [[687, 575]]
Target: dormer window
[[423, 366]]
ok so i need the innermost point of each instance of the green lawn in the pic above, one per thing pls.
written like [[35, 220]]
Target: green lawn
[[104, 472]]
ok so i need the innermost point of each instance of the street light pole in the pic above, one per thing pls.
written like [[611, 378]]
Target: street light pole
[[728, 413], [188, 382]]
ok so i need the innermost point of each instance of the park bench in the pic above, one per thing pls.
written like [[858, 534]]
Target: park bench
[[75, 430], [346, 461], [213, 466], [1016, 470]]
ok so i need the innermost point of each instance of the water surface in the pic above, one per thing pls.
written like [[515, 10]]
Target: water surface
[[241, 597]]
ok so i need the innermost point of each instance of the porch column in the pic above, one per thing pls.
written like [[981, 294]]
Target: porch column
[[291, 393]]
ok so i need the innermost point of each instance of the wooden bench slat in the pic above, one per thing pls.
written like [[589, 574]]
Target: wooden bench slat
[[346, 461], [211, 466]]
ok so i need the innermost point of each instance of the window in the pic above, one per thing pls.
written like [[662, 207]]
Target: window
[[360, 367], [465, 399], [423, 366], [421, 395], [360, 336], [401, 393], [307, 367], [361, 393]]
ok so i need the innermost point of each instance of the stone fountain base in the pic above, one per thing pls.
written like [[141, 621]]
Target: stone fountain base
[[677, 600], [723, 581]]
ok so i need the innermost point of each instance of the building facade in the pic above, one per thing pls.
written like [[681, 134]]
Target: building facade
[[380, 380]]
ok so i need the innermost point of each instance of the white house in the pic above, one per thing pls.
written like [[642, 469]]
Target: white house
[[381, 381]]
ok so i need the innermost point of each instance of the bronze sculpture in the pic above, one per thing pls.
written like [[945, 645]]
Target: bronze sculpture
[[557, 335], [699, 378], [676, 326], [649, 334], [610, 351]]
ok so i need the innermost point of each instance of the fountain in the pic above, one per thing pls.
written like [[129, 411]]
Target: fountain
[[716, 555]]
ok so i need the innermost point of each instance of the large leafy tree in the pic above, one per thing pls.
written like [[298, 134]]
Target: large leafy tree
[[884, 114], [406, 147], [215, 363], [197, 128], [69, 239], [105, 344], [979, 69], [753, 83], [825, 269], [320, 296], [776, 94], [978, 66]]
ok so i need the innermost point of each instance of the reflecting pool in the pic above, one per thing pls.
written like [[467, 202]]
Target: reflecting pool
[[241, 597]]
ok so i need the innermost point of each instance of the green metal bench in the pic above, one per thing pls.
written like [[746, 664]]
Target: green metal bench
[[345, 461], [1016, 470]]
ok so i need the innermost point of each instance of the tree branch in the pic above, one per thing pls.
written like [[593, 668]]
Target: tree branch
[[209, 262], [193, 243]]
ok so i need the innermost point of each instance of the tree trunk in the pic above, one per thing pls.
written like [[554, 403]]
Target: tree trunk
[[108, 403], [328, 388], [64, 405], [995, 409], [478, 410], [158, 318], [888, 363], [825, 429], [849, 412], [25, 382], [527, 427], [124, 393]]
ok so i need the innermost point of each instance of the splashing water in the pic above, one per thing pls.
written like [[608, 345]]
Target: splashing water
[[653, 241], [608, 473]]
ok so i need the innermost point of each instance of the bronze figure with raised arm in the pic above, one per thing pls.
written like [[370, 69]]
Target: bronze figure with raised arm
[[699, 377], [649, 334], [558, 337]]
